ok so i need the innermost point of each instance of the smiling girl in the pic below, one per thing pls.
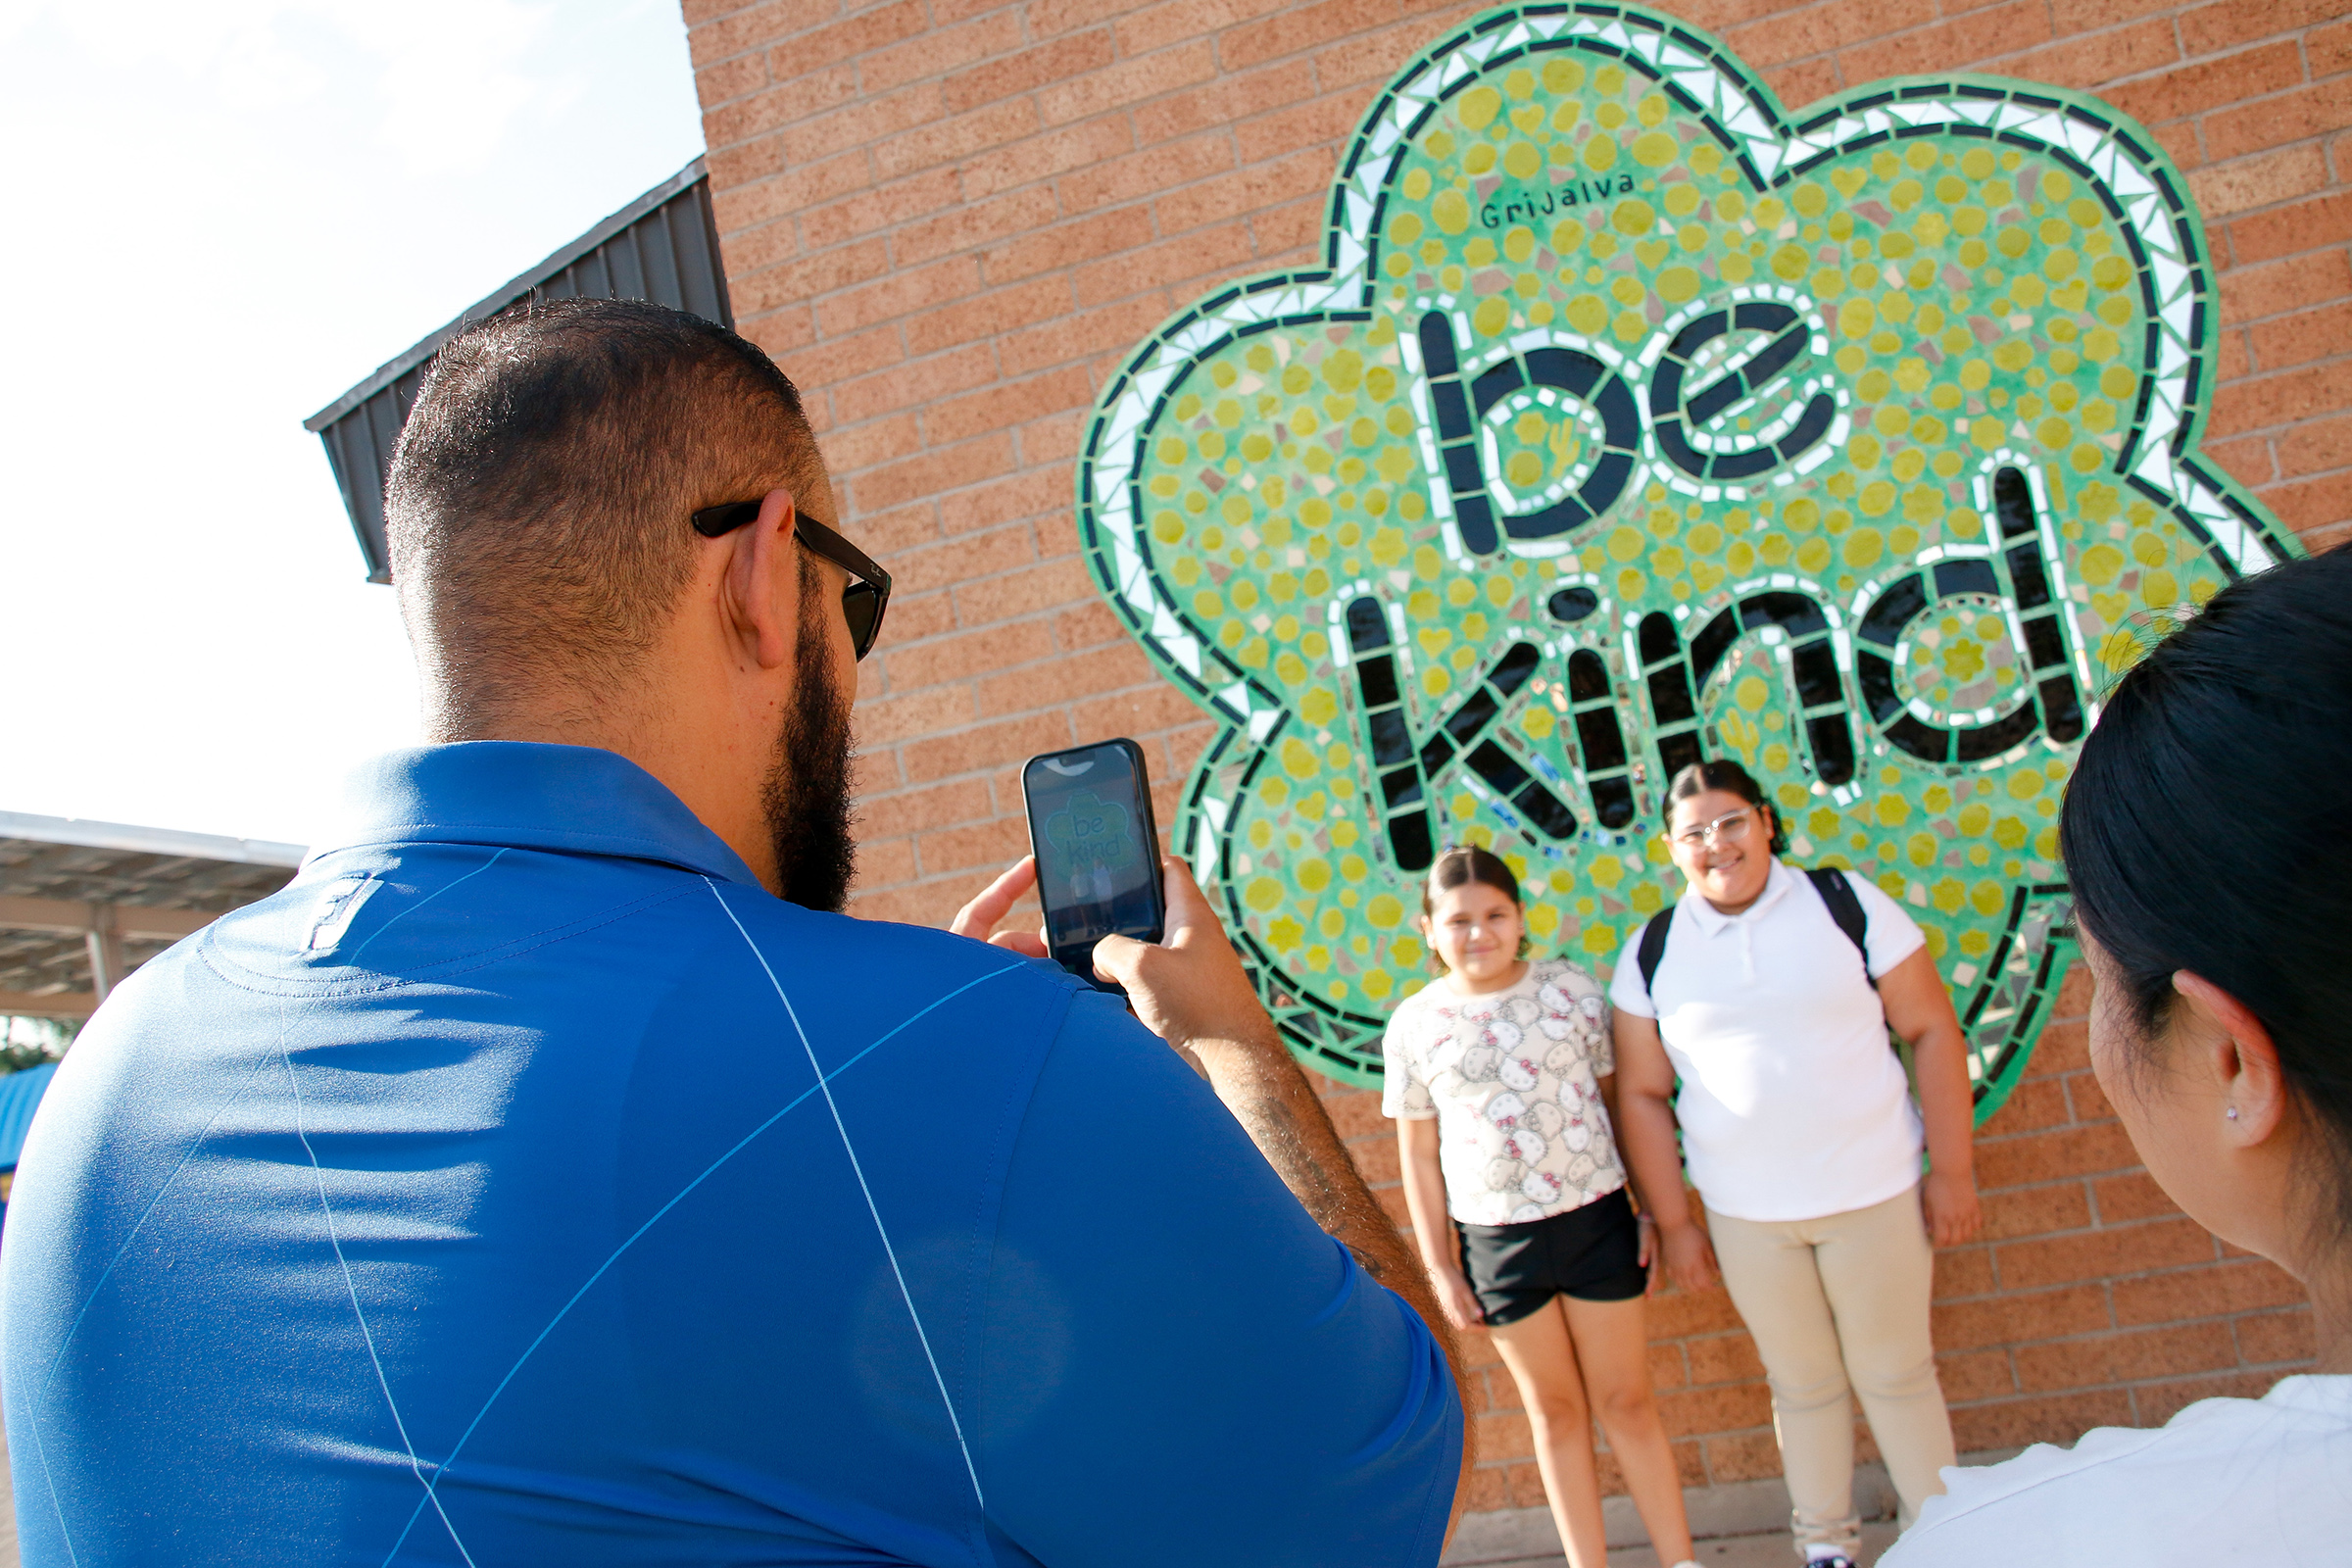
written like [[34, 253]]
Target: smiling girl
[[1502, 1079]]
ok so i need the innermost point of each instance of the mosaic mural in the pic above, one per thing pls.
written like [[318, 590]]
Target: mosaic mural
[[1630, 422]]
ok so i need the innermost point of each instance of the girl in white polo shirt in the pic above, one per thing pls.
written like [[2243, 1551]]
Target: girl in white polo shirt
[[1500, 1081], [1801, 1137]]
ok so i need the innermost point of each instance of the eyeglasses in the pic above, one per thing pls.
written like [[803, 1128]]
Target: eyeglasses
[[862, 602], [1728, 828]]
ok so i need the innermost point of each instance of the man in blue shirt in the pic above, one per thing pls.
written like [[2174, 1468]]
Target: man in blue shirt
[[530, 1183]]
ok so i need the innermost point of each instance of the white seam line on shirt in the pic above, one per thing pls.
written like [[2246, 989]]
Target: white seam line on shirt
[[859, 1170], [656, 1219], [352, 1290]]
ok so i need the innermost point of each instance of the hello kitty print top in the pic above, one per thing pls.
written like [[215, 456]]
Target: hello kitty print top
[[1513, 1078]]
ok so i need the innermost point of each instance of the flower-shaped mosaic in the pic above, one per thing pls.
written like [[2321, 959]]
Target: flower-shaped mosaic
[[1631, 422]]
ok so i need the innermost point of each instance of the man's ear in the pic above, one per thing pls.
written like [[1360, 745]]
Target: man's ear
[[2237, 1048], [762, 584]]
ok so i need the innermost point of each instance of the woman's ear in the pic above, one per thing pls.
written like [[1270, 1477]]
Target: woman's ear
[[2234, 1047]]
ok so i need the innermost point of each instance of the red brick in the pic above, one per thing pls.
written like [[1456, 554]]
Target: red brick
[[2208, 29], [2328, 51], [1255, 186], [1296, 28], [2205, 85], [989, 313], [2165, 1352], [2154, 1406], [2281, 288], [1142, 175], [2314, 507], [855, 35], [1030, 69], [2051, 1155], [2306, 225], [2035, 1211], [884, 862], [1128, 82], [755, 28], [940, 50], [1203, 253], [1723, 1408], [2314, 446], [2034, 1105], [1222, 102], [996, 125], [2177, 1295], [1369, 59], [2263, 402], [1021, 593], [2064, 1048], [964, 559], [1020, 495], [2051, 1418], [909, 810], [982, 844], [974, 225], [1114, 328], [1067, 244], [1002, 406], [932, 474], [1976, 1375], [1083, 146], [2269, 1339], [719, 83], [1042, 686], [1088, 625], [2020, 1318], [986, 746], [2224, 189], [1723, 1358], [2248, 462], [2102, 57], [1175, 21], [1751, 1458], [2301, 338], [2107, 1254], [1824, 30], [2276, 121], [865, 446], [740, 206], [797, 282]]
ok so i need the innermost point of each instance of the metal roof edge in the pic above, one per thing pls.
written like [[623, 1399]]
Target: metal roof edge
[[499, 299], [148, 840]]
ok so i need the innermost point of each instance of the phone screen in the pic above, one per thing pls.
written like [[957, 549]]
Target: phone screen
[[1098, 850]]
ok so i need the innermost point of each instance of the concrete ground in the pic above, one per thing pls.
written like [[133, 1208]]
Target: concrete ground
[[1772, 1550]]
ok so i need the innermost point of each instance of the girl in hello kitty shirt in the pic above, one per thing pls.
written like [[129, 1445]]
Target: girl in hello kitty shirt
[[1501, 1078]]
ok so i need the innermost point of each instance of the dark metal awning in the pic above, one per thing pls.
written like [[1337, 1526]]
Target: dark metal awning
[[662, 247], [82, 904]]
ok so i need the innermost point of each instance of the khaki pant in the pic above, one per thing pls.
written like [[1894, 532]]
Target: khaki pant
[[1839, 1302]]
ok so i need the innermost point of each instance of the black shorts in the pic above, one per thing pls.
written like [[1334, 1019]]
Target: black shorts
[[1590, 1253]]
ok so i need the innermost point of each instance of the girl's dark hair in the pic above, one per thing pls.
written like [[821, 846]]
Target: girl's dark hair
[[1462, 864], [2186, 854], [1729, 776]]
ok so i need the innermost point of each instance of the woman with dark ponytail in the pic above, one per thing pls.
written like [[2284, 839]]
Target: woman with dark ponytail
[[2208, 836]]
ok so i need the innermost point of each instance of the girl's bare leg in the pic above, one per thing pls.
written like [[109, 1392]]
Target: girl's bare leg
[[1544, 1365], [1612, 1346]]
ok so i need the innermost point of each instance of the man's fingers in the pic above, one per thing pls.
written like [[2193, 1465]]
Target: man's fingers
[[1030, 945], [1118, 958], [989, 904], [1189, 908]]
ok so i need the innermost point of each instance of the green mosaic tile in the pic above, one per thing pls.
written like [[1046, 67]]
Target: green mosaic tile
[[1628, 422]]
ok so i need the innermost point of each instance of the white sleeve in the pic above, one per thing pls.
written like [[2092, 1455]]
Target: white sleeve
[[1404, 1096], [1627, 993], [1893, 935]]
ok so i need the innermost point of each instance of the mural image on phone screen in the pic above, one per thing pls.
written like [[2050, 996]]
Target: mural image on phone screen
[[1097, 847]]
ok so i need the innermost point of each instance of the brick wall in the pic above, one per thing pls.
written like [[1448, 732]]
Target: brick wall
[[950, 220]]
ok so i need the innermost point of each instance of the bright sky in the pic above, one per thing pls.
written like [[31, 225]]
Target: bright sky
[[225, 213]]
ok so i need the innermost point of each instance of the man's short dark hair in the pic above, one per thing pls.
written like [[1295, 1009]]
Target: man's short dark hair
[[538, 503]]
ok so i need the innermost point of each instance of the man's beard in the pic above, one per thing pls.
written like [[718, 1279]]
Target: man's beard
[[806, 797]]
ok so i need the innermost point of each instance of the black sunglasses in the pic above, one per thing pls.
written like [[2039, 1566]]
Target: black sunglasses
[[861, 601]]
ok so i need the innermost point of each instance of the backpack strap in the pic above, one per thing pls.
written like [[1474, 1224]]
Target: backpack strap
[[1652, 951], [1847, 910]]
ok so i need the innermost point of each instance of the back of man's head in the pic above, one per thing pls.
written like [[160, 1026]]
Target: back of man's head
[[538, 505]]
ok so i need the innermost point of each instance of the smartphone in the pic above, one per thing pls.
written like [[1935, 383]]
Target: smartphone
[[1096, 849]]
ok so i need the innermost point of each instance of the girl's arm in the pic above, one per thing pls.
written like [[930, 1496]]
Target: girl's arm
[[1920, 1011], [1433, 1229], [1645, 1089]]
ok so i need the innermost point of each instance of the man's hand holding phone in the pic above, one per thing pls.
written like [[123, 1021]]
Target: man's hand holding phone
[[1191, 991]]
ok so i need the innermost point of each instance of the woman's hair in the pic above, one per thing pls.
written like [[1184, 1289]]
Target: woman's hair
[[1729, 776], [1460, 865], [2206, 826]]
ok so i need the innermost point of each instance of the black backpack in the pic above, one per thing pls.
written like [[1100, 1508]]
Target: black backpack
[[1836, 890]]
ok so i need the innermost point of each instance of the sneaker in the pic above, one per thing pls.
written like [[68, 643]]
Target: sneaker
[[1836, 1559]]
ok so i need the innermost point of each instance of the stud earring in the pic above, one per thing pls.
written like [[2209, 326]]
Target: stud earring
[[2232, 1113]]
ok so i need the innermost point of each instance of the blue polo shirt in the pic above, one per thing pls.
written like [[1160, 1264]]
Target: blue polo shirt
[[524, 1183]]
